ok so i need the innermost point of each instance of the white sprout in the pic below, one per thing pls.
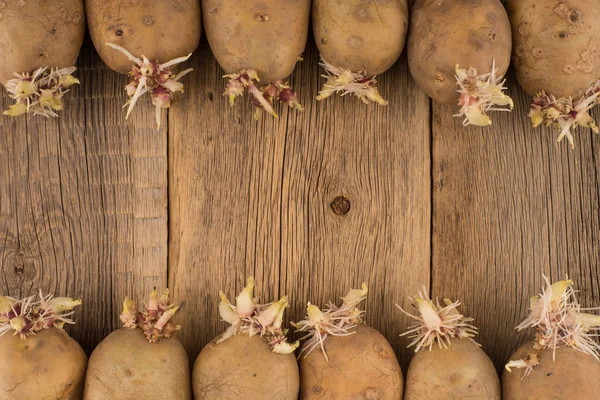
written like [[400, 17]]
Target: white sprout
[[332, 321], [348, 82], [151, 76], [436, 323], [41, 92], [249, 317], [263, 97], [564, 113], [528, 364], [156, 321], [560, 321], [34, 313], [480, 94]]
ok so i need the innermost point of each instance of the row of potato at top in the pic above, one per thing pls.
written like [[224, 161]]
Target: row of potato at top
[[340, 357], [458, 51]]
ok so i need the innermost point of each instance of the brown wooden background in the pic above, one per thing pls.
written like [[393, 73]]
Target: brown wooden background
[[93, 206]]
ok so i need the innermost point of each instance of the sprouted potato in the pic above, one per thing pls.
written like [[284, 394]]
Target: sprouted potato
[[38, 360], [39, 43], [258, 43], [563, 361], [448, 364], [458, 52], [146, 39], [357, 41], [556, 60], [342, 358], [142, 360], [252, 358]]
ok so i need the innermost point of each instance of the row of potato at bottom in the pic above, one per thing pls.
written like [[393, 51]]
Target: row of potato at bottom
[[339, 357]]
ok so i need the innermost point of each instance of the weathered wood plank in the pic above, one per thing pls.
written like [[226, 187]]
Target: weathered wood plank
[[510, 204], [83, 201], [255, 198]]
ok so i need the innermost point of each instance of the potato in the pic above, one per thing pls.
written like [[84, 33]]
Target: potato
[[267, 36], [244, 367], [159, 30], [554, 45], [341, 358], [38, 33], [252, 358], [47, 366], [40, 42], [446, 33], [363, 38], [146, 38], [361, 366], [142, 360], [556, 60], [38, 360], [565, 331], [258, 41], [449, 364], [126, 366], [461, 371], [572, 375], [359, 35]]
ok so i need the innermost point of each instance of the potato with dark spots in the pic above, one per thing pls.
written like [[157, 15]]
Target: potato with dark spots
[[40, 42], [448, 364], [252, 358], [461, 371], [249, 367], [556, 60], [554, 46], [571, 375], [38, 360], [125, 366], [358, 40], [258, 43], [161, 30], [146, 38], [563, 361], [361, 366], [51, 366], [142, 360], [341, 358], [459, 51]]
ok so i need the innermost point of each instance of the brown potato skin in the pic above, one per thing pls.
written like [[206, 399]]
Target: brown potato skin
[[361, 366], [244, 367], [158, 29], [47, 366], [39, 33], [550, 47], [358, 35], [241, 37], [443, 33], [126, 366], [574, 375], [462, 371]]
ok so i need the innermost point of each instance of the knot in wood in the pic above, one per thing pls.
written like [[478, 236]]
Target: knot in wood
[[262, 17], [340, 205]]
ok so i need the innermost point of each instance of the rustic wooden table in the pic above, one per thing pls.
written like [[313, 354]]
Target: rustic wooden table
[[310, 204]]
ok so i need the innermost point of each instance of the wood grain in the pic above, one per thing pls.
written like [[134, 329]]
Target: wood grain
[[86, 200], [83, 205], [511, 204], [255, 198]]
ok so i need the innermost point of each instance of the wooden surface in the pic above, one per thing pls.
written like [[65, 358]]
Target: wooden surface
[[93, 206], [83, 201]]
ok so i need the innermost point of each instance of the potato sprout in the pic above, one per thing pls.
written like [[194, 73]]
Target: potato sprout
[[559, 321], [35, 313]]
